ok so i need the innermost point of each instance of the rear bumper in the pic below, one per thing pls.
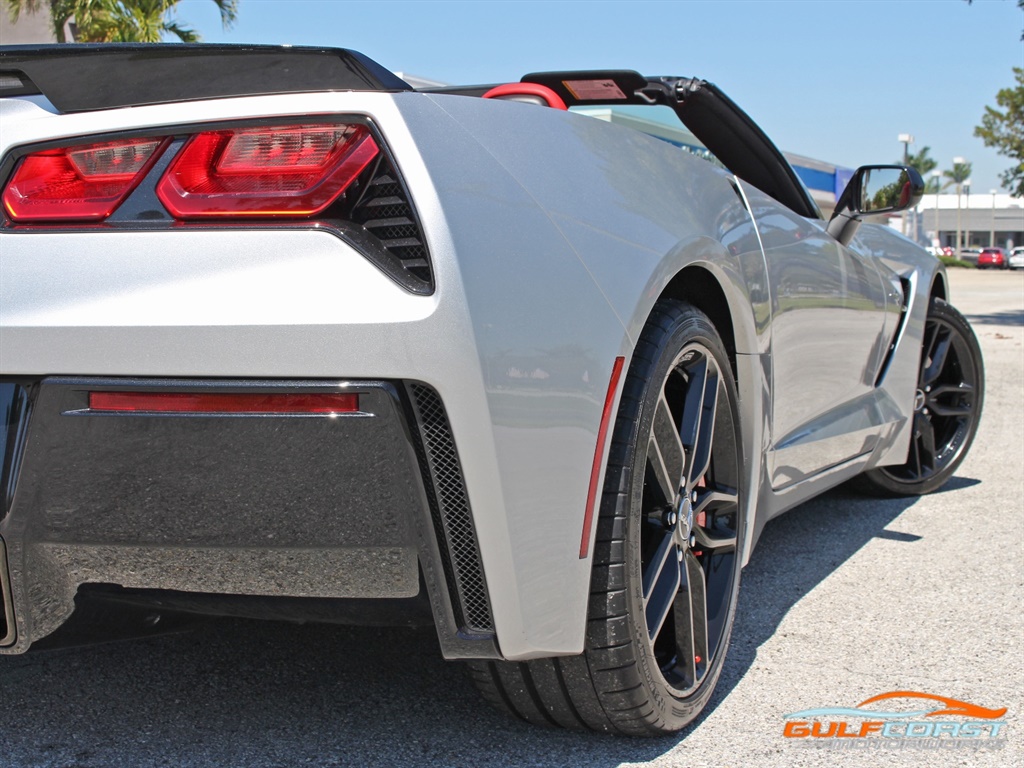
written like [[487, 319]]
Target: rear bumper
[[335, 506]]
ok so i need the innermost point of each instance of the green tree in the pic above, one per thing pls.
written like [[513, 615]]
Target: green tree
[[1004, 130], [923, 164], [957, 175], [119, 21]]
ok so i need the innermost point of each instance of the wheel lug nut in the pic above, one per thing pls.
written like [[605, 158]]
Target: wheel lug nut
[[927, 389], [679, 555], [693, 540], [693, 497], [673, 518]]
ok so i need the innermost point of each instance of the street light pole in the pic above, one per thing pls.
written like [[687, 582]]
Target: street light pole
[[937, 175], [906, 139], [967, 193], [959, 188], [992, 222]]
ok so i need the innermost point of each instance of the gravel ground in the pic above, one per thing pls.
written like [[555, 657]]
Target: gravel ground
[[845, 598]]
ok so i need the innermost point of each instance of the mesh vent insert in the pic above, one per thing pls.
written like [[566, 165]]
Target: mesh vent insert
[[453, 519]]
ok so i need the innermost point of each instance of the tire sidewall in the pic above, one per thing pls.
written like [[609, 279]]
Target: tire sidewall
[[688, 325]]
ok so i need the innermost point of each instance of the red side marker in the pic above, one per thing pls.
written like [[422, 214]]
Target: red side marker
[[595, 471], [218, 402]]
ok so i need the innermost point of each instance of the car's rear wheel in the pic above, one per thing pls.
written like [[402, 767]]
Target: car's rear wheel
[[947, 408], [667, 557]]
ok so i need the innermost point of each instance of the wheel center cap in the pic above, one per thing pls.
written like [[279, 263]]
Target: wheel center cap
[[685, 512], [918, 400]]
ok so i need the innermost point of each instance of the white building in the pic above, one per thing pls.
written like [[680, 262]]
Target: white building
[[985, 220]]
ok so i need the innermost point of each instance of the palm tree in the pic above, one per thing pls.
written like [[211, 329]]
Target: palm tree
[[923, 164], [119, 21], [957, 175]]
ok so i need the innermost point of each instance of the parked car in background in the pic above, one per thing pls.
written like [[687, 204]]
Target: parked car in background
[[1016, 259], [969, 254], [992, 257]]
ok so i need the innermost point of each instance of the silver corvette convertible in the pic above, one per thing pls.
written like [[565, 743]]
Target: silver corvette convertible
[[282, 337]]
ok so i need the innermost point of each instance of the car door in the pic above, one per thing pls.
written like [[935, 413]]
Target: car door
[[830, 331]]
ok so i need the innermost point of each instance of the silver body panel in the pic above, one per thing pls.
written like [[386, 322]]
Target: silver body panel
[[549, 254]]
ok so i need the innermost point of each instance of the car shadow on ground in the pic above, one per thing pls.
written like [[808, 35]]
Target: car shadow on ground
[[246, 693], [795, 553], [1006, 317]]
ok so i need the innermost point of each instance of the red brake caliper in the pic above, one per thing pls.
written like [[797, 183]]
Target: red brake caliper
[[702, 516]]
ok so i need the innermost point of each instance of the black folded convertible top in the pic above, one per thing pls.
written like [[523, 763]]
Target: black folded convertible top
[[716, 120], [79, 78]]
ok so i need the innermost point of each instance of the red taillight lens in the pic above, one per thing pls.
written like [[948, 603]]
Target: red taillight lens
[[274, 171], [83, 183], [215, 402]]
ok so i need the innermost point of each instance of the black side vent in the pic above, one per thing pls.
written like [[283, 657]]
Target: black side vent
[[385, 212], [449, 506], [906, 290]]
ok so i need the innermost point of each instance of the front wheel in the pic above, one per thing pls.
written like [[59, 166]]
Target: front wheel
[[947, 408], [667, 558]]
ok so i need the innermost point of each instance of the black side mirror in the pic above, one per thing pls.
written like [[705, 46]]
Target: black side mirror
[[874, 189]]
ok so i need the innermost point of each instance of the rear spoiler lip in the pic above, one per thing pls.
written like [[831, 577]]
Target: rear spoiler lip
[[88, 77]]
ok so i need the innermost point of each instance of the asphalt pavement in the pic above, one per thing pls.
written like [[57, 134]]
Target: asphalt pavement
[[845, 598]]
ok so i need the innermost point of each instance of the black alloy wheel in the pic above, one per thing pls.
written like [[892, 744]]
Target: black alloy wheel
[[688, 519], [666, 562], [947, 407]]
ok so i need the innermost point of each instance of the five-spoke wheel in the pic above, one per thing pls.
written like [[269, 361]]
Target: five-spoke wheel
[[947, 407], [688, 514]]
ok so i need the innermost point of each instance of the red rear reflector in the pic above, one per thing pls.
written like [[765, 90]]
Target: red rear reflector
[[206, 402], [83, 183], [294, 170], [595, 470]]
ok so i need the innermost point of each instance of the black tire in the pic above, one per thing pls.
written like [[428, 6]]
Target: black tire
[[669, 530], [950, 394]]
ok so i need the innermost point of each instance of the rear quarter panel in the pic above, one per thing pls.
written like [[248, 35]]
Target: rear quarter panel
[[552, 237], [566, 231]]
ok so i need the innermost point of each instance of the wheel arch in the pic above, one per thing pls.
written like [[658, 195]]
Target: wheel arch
[[939, 289], [709, 291], [698, 286]]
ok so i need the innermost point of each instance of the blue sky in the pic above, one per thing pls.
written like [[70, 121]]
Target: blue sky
[[836, 80]]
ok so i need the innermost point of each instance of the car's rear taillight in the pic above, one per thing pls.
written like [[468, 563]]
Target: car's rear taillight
[[295, 170], [82, 183]]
